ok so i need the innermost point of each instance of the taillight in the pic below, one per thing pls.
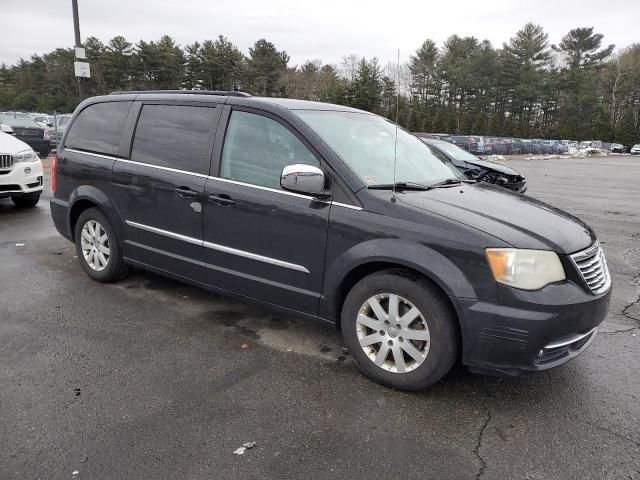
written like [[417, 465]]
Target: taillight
[[54, 174]]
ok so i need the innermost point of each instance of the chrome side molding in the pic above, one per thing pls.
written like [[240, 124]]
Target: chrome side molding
[[220, 248]]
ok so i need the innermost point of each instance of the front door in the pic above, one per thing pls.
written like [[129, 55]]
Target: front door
[[261, 241], [158, 191]]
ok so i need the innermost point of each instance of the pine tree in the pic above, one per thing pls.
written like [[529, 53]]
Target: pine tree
[[366, 88], [265, 68]]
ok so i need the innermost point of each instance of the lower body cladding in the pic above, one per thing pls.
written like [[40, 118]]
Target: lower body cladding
[[530, 331], [22, 178]]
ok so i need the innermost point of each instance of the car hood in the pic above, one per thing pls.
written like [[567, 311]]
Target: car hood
[[498, 167], [11, 145], [518, 220]]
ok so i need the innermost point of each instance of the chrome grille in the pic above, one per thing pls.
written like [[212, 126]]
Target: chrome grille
[[593, 268], [6, 161]]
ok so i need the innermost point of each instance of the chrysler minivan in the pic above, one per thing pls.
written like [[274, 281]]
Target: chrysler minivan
[[329, 213]]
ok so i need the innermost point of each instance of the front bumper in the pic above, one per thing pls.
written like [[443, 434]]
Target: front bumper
[[17, 180], [530, 331]]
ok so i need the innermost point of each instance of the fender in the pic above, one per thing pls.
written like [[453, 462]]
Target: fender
[[100, 198], [416, 256]]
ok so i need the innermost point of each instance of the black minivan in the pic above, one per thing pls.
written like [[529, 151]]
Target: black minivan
[[321, 211]]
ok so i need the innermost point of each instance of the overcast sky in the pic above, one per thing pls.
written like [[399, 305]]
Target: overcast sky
[[324, 29]]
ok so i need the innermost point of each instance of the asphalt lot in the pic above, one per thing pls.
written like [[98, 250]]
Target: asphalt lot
[[148, 378]]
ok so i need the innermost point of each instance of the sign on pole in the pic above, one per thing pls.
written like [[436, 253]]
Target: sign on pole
[[80, 53], [82, 69]]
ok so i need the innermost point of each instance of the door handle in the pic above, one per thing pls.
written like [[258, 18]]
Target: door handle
[[223, 200], [186, 192]]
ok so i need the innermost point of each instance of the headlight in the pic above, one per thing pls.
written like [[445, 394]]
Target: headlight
[[525, 269], [28, 156]]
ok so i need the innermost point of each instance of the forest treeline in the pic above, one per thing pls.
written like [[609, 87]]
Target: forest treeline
[[578, 89]]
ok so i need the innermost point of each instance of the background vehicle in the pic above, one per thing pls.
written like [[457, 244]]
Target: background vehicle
[[45, 121], [635, 150], [55, 133], [469, 143], [29, 132], [477, 169], [438, 136], [20, 172], [617, 148]]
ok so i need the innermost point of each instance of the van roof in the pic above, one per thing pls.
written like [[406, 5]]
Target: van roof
[[240, 98]]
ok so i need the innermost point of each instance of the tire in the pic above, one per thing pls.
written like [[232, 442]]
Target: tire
[[26, 200], [114, 268], [436, 326]]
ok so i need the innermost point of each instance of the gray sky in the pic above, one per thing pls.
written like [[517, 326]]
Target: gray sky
[[324, 29]]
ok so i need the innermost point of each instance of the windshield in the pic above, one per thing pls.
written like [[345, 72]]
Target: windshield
[[455, 152], [18, 122], [367, 144]]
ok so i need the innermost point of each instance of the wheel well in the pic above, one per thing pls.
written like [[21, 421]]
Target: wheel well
[[358, 273], [78, 207]]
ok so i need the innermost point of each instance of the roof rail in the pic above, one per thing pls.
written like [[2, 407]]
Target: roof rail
[[230, 93]]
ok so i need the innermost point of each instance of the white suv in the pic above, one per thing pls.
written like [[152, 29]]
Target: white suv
[[20, 172]]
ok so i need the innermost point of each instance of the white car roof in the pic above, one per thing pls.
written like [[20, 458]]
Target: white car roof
[[11, 145]]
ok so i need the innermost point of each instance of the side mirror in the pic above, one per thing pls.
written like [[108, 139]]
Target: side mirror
[[301, 178], [6, 129]]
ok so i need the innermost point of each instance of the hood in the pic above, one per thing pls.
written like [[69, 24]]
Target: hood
[[516, 219], [11, 145], [498, 167]]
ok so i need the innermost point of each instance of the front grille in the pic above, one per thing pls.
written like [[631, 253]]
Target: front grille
[[593, 268], [6, 161], [28, 132], [9, 188]]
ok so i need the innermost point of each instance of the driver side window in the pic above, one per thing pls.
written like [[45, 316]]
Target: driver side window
[[257, 148]]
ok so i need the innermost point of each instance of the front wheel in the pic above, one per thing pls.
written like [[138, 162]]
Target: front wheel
[[26, 200], [97, 247], [400, 329]]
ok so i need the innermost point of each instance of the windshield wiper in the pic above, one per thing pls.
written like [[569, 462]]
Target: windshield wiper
[[451, 182], [400, 186]]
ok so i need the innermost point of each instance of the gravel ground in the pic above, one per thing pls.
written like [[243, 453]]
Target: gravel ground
[[149, 378]]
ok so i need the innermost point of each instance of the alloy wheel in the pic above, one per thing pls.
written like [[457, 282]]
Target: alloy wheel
[[393, 333], [95, 245]]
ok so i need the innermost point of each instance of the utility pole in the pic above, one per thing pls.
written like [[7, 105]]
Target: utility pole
[[76, 32]]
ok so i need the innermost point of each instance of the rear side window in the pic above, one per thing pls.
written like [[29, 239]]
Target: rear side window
[[175, 136], [98, 128], [257, 148]]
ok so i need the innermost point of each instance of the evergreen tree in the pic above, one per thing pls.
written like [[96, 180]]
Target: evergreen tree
[[265, 68], [366, 89]]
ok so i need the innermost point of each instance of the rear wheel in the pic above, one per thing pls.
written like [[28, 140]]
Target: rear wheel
[[400, 330], [97, 247], [26, 200]]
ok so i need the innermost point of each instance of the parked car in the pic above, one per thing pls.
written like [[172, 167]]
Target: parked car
[[56, 132], [29, 132], [471, 144], [438, 136], [20, 172], [488, 146], [305, 207], [617, 148], [499, 146], [635, 150], [477, 169], [45, 121]]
